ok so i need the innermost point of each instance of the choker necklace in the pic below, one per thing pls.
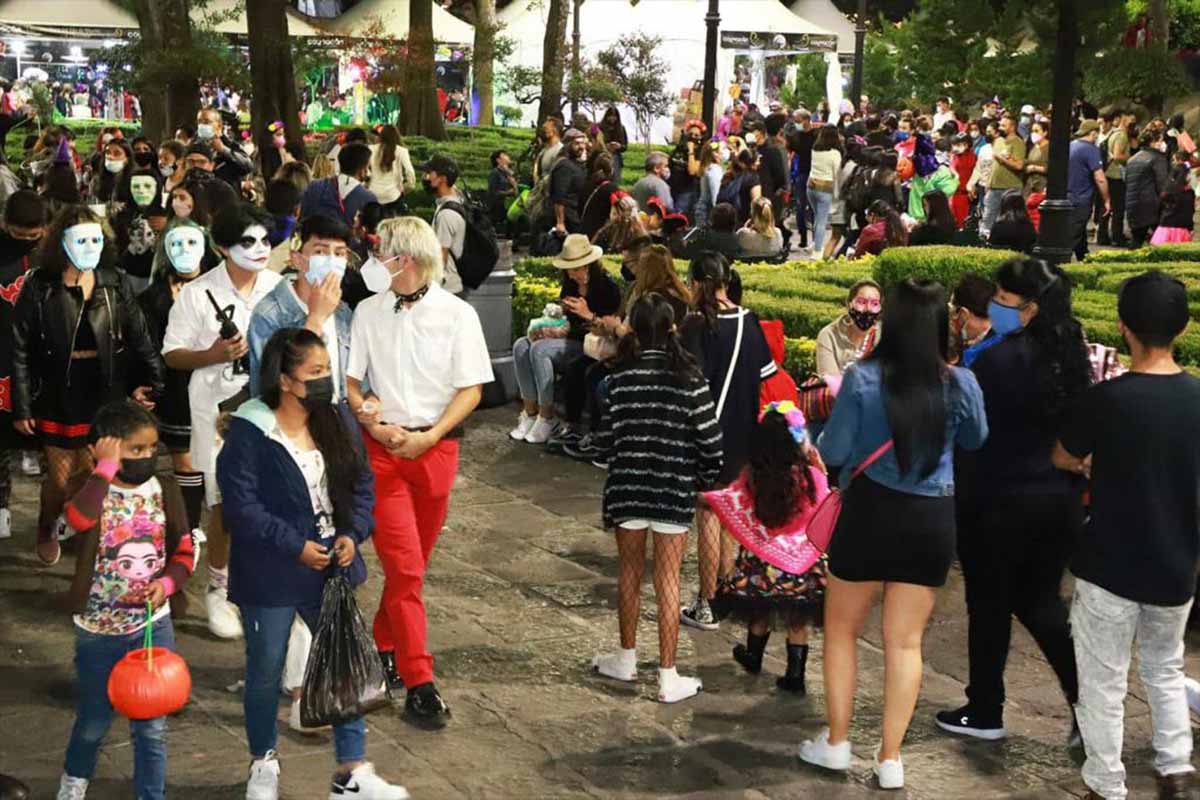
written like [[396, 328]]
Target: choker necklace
[[411, 298]]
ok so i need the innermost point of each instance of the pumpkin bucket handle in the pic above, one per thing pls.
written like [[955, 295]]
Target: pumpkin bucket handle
[[148, 637]]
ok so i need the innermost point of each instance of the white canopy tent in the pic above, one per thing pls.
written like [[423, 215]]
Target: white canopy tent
[[447, 28], [825, 14], [680, 25], [60, 17]]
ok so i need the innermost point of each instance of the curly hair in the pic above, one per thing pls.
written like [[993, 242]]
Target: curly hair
[[778, 472], [53, 257]]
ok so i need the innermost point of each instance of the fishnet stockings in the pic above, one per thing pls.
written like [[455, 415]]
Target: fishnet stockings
[[668, 555], [714, 550], [61, 465], [631, 555]]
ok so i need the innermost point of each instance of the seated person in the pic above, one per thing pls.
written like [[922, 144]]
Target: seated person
[[938, 227], [1013, 229], [884, 229], [720, 236], [759, 236]]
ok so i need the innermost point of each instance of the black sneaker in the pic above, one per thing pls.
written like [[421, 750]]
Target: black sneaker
[[968, 722], [566, 435], [600, 461], [425, 708], [582, 448], [395, 682]]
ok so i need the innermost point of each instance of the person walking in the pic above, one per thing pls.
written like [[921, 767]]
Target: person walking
[[1146, 178], [1116, 146], [1137, 437], [1019, 518], [1085, 176], [900, 414]]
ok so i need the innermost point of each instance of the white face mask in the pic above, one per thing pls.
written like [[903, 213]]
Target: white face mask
[[376, 275], [253, 252], [143, 190], [84, 243], [114, 165], [1036, 138], [185, 248], [167, 170], [320, 265], [205, 131]]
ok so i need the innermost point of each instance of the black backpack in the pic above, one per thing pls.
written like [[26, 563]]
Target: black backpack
[[858, 188], [731, 193], [480, 251]]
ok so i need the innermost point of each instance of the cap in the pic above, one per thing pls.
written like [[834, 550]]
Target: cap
[[573, 133], [1027, 109], [442, 165], [200, 148], [1086, 127]]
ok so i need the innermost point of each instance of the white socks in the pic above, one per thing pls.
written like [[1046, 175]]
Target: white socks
[[620, 664], [673, 687]]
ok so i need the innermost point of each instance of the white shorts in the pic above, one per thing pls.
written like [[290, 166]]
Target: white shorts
[[655, 526]]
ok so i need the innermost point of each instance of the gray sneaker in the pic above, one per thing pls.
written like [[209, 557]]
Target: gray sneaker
[[699, 615]]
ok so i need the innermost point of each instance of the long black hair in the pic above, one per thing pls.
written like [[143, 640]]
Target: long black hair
[[779, 479], [912, 357], [1063, 369], [708, 273], [286, 350], [652, 327]]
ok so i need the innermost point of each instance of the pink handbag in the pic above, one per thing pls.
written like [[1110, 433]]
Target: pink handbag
[[825, 518]]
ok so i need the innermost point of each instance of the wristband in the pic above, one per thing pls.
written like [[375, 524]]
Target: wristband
[[168, 584], [107, 468]]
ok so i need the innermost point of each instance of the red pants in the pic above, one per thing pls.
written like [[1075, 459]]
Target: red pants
[[411, 498]]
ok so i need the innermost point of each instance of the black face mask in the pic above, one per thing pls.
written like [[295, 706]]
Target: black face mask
[[145, 159], [426, 185], [136, 471], [318, 393], [863, 320]]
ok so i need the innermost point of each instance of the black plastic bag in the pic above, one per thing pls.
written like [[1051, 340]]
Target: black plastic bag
[[344, 678]]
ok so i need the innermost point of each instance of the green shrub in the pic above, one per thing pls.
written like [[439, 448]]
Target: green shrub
[[942, 263], [800, 357], [1189, 251], [529, 299]]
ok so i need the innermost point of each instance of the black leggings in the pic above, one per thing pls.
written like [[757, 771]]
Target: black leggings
[[1014, 550], [580, 384]]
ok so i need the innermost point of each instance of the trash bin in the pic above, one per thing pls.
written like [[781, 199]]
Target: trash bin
[[492, 301]]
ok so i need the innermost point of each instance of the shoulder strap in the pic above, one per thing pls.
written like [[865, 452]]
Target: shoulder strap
[[737, 349], [871, 459]]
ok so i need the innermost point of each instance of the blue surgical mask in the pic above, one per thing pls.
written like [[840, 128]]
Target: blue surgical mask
[[1005, 319], [901, 136], [321, 264], [205, 131]]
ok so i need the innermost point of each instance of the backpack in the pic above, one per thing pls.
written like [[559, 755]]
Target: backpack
[[858, 188], [537, 203], [480, 251], [732, 193]]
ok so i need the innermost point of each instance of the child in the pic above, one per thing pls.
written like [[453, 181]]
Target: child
[[661, 430], [778, 573], [136, 525], [1176, 215]]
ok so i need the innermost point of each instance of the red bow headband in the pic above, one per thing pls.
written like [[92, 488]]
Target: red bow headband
[[617, 196], [696, 123]]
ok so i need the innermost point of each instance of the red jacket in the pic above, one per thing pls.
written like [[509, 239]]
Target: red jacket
[[779, 386]]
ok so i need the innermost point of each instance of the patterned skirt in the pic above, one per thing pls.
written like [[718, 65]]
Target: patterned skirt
[[755, 590]]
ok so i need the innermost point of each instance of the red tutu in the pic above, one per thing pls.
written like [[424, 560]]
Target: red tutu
[[1171, 236]]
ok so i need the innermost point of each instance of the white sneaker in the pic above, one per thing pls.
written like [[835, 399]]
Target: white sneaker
[[295, 724], [30, 464], [5, 523], [72, 788], [890, 773], [1192, 687], [541, 431], [819, 752], [673, 687], [264, 778], [223, 619], [620, 665], [63, 531], [524, 424], [364, 784]]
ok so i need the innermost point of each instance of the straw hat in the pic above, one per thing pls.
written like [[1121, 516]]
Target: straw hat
[[577, 252]]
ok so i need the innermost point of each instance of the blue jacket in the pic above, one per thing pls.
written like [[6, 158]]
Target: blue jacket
[[269, 515], [321, 197], [859, 425], [280, 309]]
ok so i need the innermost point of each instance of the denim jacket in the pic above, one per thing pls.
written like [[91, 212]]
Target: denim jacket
[[859, 425], [281, 309]]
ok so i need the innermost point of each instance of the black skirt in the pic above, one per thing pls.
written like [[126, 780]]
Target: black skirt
[[886, 535], [64, 410]]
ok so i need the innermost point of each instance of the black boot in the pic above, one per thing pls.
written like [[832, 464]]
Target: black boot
[[13, 789], [750, 655], [793, 680], [395, 682]]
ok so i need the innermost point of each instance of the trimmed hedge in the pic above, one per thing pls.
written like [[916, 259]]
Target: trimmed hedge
[[1148, 255], [942, 263]]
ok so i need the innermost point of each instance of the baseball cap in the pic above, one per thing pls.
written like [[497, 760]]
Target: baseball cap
[[442, 165], [573, 133], [1086, 127], [1027, 109], [200, 148]]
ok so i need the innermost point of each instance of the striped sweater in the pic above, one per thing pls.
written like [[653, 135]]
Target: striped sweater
[[664, 441]]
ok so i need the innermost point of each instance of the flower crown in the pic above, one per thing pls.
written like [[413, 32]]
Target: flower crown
[[793, 415], [276, 126]]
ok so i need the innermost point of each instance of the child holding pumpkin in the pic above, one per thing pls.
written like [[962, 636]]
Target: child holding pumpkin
[[134, 526]]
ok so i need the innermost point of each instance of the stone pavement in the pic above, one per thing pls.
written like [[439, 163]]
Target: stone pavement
[[521, 594]]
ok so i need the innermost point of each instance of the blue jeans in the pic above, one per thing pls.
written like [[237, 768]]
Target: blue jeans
[[267, 629], [821, 203], [991, 209], [685, 203], [535, 363], [800, 201], [95, 657]]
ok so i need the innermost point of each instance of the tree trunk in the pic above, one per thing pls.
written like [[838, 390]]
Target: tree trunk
[[419, 111], [1159, 22], [165, 28], [552, 60], [483, 58], [272, 75]]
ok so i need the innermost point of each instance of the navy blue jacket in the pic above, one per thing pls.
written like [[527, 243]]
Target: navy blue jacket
[[323, 197], [268, 513]]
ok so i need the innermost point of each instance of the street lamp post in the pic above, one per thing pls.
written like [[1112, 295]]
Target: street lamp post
[[860, 41], [575, 37], [712, 19], [1055, 240]]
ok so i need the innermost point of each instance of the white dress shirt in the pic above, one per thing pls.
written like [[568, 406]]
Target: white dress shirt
[[417, 358]]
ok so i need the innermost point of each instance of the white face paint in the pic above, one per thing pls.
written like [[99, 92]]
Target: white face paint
[[84, 243], [185, 248], [254, 249]]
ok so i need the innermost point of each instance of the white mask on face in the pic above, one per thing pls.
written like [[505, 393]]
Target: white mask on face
[[253, 251], [185, 249], [1036, 138], [321, 265], [205, 131], [84, 243], [376, 275]]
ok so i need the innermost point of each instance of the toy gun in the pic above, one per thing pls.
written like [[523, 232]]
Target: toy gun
[[229, 330]]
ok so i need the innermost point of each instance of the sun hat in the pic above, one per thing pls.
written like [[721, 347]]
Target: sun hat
[[577, 252]]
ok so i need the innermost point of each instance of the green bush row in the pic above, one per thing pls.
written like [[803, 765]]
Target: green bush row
[[1150, 254], [942, 263]]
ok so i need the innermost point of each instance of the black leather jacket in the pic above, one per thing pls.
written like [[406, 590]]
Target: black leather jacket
[[46, 322]]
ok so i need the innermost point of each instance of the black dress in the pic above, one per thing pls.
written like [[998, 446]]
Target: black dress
[[173, 409]]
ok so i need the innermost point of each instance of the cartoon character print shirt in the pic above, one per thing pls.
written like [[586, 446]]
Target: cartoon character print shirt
[[131, 554], [312, 466]]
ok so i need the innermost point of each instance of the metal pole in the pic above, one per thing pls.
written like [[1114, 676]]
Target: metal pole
[[575, 57], [712, 19], [860, 40], [1055, 235]]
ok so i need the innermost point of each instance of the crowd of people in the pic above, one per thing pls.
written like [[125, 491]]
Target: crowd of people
[[301, 349]]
